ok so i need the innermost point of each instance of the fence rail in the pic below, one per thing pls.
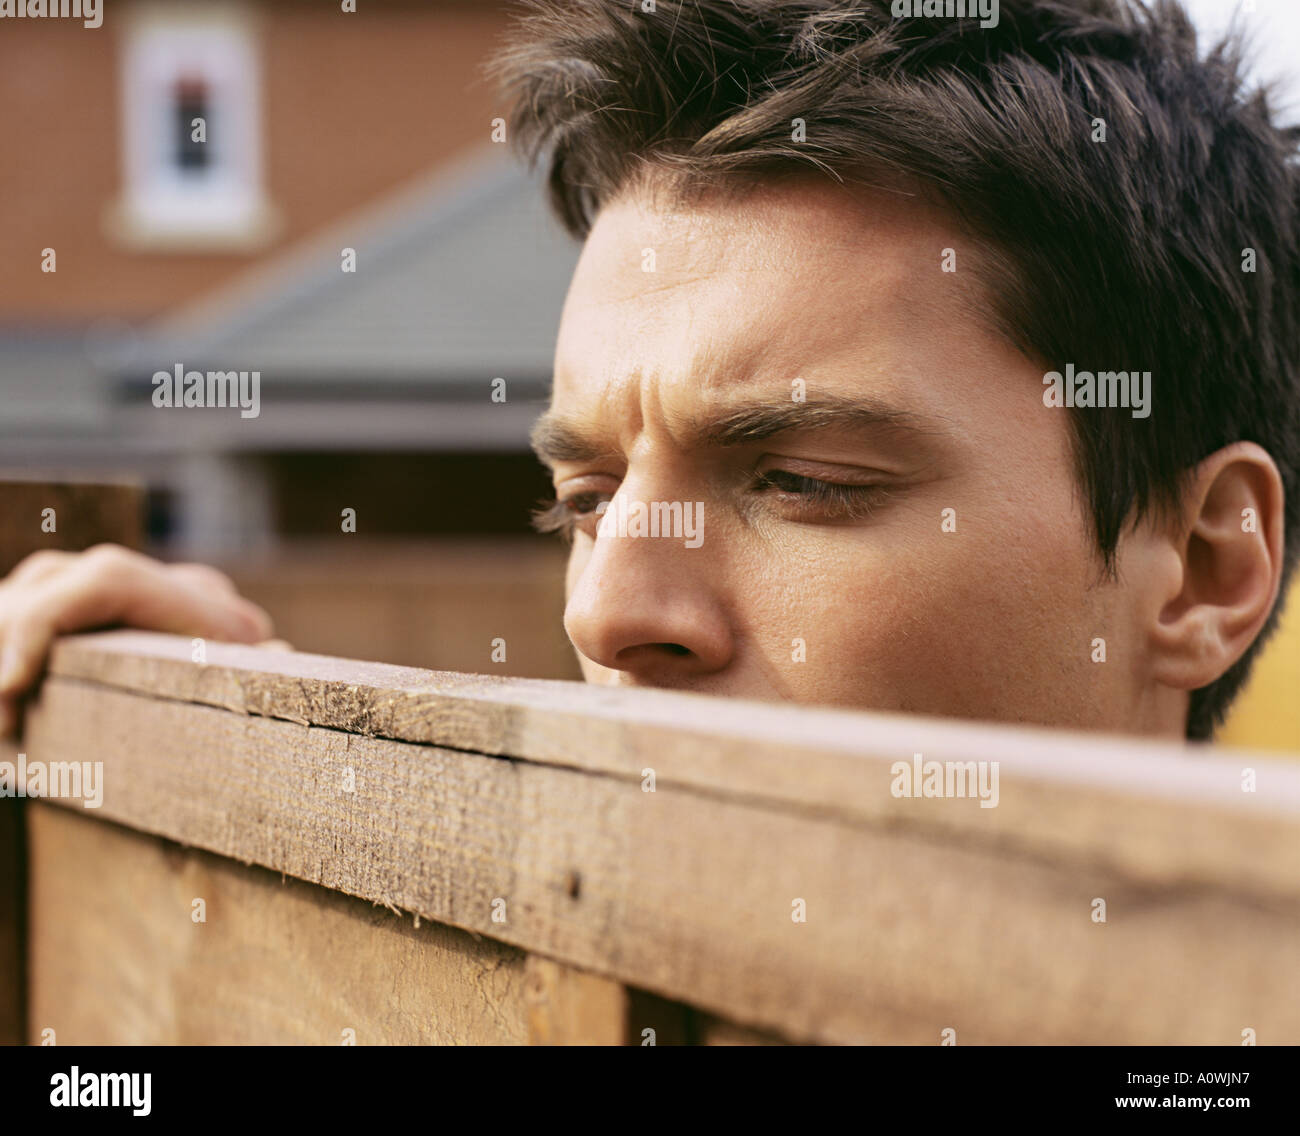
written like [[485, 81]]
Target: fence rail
[[772, 881]]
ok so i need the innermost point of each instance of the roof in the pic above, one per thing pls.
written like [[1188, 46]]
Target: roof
[[460, 278]]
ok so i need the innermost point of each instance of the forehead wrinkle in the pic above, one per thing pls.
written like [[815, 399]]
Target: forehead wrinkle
[[649, 391]]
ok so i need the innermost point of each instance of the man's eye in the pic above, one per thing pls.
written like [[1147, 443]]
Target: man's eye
[[816, 498]]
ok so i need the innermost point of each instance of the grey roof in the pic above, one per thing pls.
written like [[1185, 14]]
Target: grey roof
[[50, 383], [460, 279]]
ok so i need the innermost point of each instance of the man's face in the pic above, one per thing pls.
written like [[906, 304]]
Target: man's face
[[890, 513]]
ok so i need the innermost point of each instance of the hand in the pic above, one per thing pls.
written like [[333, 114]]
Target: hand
[[51, 593]]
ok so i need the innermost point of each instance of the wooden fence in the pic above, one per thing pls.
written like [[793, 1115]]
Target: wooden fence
[[295, 848]]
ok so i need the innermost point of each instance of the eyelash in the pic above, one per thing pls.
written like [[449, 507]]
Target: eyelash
[[554, 516], [840, 502]]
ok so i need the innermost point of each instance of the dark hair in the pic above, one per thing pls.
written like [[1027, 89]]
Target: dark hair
[[1128, 251]]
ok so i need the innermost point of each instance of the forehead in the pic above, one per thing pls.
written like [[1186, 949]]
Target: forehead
[[802, 278]]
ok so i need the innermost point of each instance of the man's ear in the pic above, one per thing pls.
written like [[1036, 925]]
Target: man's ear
[[1227, 550]]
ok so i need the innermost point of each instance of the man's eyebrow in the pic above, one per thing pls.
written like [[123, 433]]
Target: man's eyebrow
[[555, 440], [753, 422]]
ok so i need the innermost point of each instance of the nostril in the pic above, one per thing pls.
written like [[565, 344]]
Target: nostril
[[675, 648]]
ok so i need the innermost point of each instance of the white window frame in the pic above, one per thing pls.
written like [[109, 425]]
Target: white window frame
[[223, 204]]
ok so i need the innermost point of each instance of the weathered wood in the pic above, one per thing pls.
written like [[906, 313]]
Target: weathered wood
[[922, 915], [84, 514], [571, 1007], [13, 934], [273, 961], [1121, 801], [710, 1030], [117, 958]]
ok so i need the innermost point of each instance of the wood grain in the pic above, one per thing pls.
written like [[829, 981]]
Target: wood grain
[[275, 962], [1125, 803], [916, 921], [571, 1007], [13, 933]]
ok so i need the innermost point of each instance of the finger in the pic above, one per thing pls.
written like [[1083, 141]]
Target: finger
[[187, 605], [205, 576], [116, 586], [25, 644], [38, 566], [275, 645], [90, 591], [35, 611]]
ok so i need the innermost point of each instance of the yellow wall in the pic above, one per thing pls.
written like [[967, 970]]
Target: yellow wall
[[1267, 714]]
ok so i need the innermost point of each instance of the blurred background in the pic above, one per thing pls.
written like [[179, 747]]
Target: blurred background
[[325, 131]]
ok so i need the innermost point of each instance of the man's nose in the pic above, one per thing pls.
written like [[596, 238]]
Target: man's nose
[[650, 606]]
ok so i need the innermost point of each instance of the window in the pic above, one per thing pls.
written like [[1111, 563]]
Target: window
[[193, 112], [191, 130]]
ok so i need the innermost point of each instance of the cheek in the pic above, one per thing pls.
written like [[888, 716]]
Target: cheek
[[992, 621], [863, 619], [874, 631]]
